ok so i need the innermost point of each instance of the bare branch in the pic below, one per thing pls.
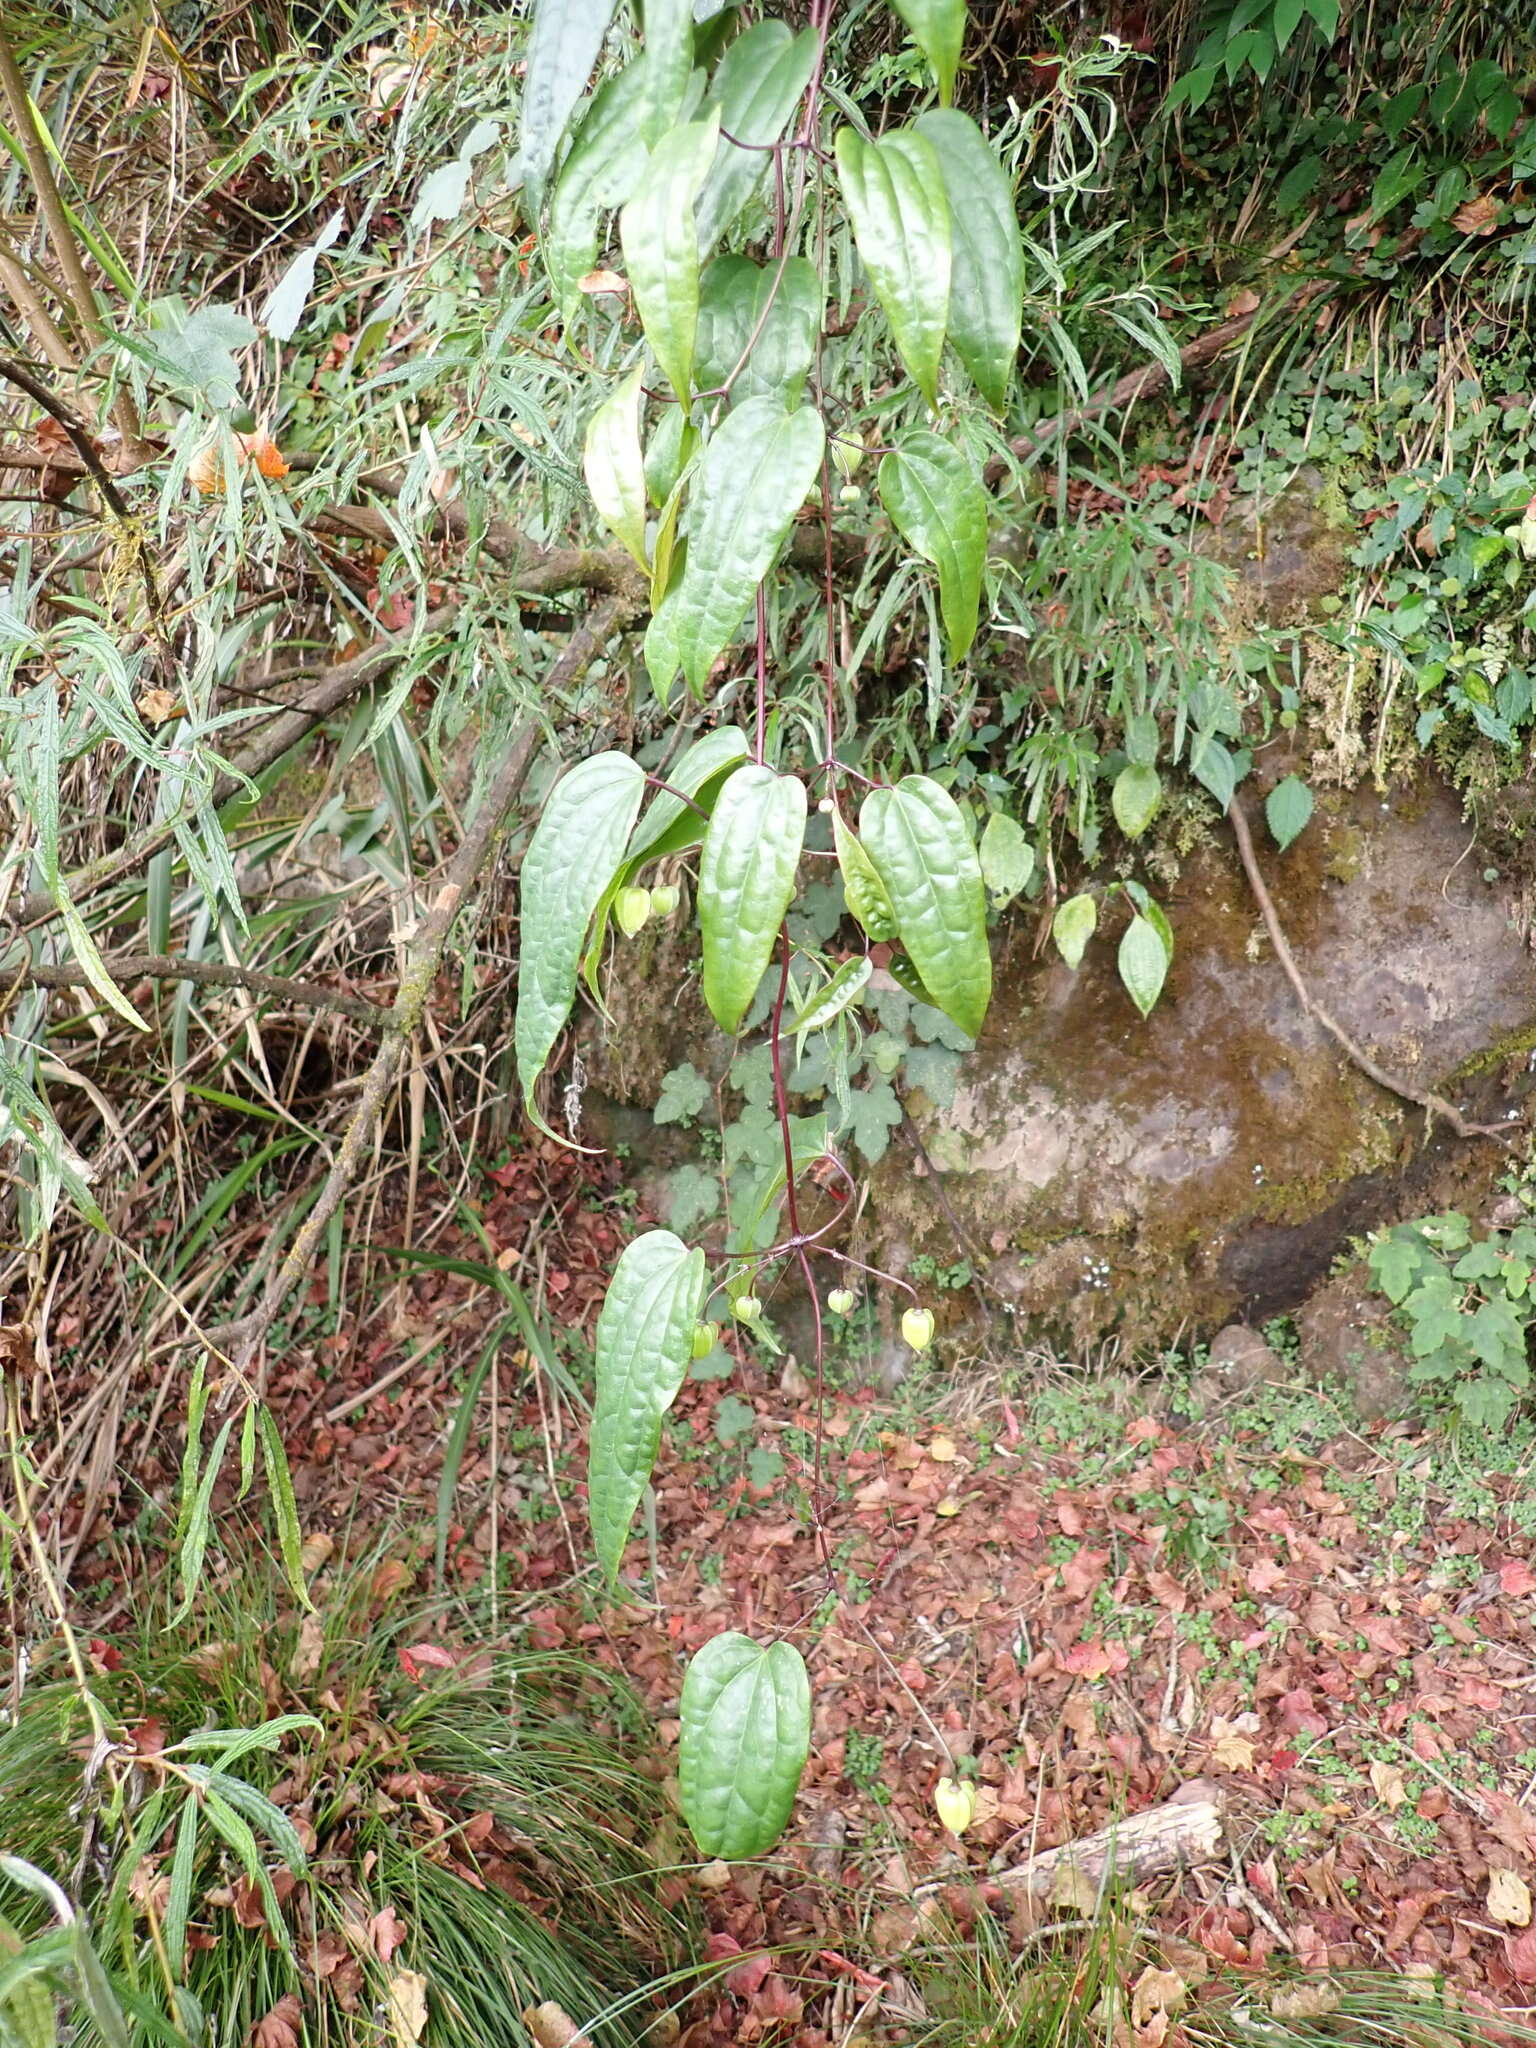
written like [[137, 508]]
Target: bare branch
[[131, 967]]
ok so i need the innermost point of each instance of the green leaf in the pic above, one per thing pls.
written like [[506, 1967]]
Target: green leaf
[[178, 1905], [1142, 739], [894, 192], [746, 1734], [862, 887], [986, 290], [936, 499], [673, 444], [1214, 765], [93, 966], [693, 1196], [769, 316], [1073, 926], [921, 849], [567, 37], [833, 997], [572, 857], [750, 482], [1287, 809], [285, 1507], [1143, 962], [1135, 798], [615, 467], [661, 247], [684, 1092], [1396, 1264], [874, 1111], [667, 65], [199, 348], [1399, 175], [194, 1542], [938, 29], [669, 826], [605, 164], [746, 880], [757, 86], [643, 1345], [1007, 858]]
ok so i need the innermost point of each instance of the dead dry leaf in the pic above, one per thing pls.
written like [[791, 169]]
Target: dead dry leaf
[[156, 706], [309, 1650], [1387, 1783], [280, 2028], [1304, 2001], [552, 2026], [1509, 1898], [408, 2007]]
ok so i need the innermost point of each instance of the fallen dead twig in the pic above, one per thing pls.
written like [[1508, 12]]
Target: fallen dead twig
[[130, 967], [1181, 1832], [1422, 1098]]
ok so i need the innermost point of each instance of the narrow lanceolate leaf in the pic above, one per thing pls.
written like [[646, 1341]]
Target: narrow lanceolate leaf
[[614, 465], [758, 326], [986, 287], [1073, 926], [751, 480], [1143, 962], [936, 498], [757, 87], [921, 848], [938, 29], [605, 164], [661, 247], [746, 880], [667, 63], [567, 36], [894, 191], [833, 997], [572, 857], [644, 1342], [863, 889], [746, 1734]]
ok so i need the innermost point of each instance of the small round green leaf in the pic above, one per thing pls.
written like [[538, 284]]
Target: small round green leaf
[[1073, 926], [1287, 808], [1007, 858], [1135, 798], [1143, 963], [746, 880], [746, 1716]]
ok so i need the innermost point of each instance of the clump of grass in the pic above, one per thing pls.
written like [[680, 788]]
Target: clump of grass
[[458, 1822]]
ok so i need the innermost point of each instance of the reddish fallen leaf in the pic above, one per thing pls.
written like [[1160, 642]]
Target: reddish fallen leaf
[[386, 1930], [280, 2028], [865, 1979], [1516, 1578], [1520, 1951]]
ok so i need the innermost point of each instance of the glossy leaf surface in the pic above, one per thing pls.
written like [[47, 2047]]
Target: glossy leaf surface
[[894, 192], [572, 857], [661, 247], [746, 1715], [936, 499], [643, 1346], [757, 86], [920, 846], [938, 29], [746, 880], [751, 480], [986, 289], [614, 465], [567, 36]]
